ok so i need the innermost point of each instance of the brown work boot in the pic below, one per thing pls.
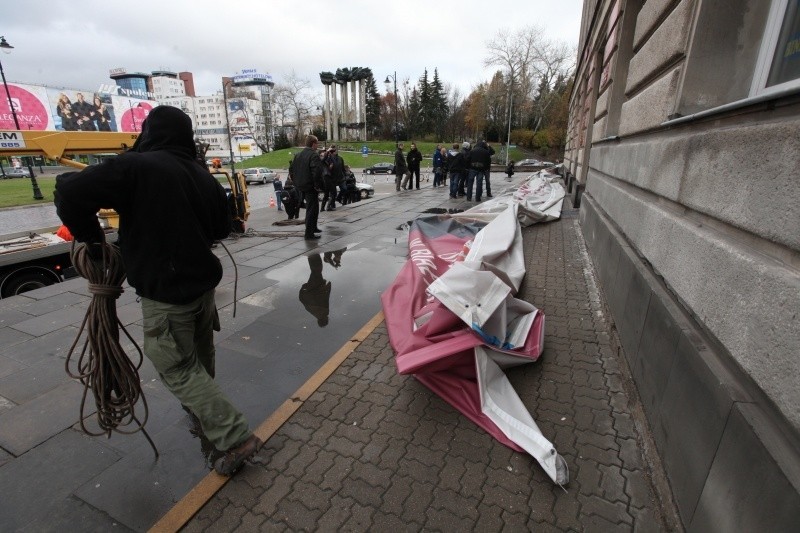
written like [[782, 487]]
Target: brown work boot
[[233, 459]]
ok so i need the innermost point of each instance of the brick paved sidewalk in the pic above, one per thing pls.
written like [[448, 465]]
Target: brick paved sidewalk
[[372, 450]]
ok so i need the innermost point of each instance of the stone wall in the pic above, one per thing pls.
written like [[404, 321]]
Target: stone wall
[[694, 226]]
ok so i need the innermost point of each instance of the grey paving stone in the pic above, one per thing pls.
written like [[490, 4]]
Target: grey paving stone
[[9, 366], [10, 337], [66, 461], [157, 484], [9, 317], [53, 303], [52, 321], [29, 382], [53, 346], [26, 426]]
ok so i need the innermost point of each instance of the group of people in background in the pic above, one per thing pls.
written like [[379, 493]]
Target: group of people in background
[[82, 115], [467, 166], [314, 171]]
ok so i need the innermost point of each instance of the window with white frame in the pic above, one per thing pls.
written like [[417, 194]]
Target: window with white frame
[[778, 65], [740, 49]]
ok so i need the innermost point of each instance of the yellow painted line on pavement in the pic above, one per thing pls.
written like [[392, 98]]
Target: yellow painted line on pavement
[[190, 504]]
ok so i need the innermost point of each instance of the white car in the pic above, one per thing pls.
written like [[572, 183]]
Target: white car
[[16, 172], [259, 175], [365, 190]]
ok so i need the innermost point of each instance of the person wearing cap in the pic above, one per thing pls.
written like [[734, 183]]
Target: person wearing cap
[[171, 210]]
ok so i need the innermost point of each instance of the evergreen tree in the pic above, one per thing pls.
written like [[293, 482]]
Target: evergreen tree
[[439, 111], [373, 108], [425, 124], [413, 116]]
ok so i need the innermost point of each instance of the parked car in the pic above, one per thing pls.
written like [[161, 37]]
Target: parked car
[[17, 173], [548, 164], [529, 163], [365, 190], [380, 168], [259, 175]]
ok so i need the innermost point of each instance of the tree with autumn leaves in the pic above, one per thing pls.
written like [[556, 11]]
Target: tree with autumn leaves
[[526, 97]]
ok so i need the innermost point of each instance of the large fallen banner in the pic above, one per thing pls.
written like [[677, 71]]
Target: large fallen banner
[[455, 324]]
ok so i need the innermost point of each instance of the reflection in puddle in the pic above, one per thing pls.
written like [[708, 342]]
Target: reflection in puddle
[[315, 294], [337, 286]]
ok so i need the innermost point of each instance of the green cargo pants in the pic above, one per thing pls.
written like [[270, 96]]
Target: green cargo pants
[[179, 340]]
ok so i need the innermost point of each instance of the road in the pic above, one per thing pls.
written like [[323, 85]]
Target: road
[[41, 217]]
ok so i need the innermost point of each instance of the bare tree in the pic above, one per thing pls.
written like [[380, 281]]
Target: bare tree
[[294, 103], [526, 57]]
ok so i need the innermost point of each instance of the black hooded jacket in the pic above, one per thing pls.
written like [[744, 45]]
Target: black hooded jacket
[[171, 209]]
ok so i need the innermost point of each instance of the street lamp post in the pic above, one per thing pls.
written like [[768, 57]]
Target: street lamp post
[[228, 125], [37, 193], [386, 81]]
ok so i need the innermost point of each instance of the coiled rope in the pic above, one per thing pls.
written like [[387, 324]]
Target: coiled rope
[[103, 367]]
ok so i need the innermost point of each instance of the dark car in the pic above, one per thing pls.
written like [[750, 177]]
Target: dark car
[[380, 168]]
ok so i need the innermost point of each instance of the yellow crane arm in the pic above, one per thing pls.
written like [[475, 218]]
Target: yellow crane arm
[[55, 144]]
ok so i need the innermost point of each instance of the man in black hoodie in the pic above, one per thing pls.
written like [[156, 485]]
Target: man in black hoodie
[[171, 211]]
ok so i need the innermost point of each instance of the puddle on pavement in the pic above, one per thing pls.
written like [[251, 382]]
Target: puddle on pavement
[[335, 290]]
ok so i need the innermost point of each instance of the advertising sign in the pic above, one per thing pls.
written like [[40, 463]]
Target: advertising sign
[[43, 108], [30, 106]]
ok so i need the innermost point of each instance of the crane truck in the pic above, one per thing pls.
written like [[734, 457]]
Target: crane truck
[[35, 259]]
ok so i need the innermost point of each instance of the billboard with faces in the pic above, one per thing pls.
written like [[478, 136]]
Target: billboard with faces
[[45, 108]]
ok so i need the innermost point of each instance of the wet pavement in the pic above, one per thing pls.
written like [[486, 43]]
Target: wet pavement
[[370, 449]]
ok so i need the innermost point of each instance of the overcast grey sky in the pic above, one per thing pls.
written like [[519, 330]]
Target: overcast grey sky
[[74, 44]]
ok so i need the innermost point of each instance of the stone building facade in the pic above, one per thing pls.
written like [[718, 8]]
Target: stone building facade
[[683, 151]]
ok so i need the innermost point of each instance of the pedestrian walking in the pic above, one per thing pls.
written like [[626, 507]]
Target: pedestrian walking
[[170, 265], [400, 168]]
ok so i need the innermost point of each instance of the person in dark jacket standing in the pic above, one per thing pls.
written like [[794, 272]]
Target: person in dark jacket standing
[[171, 211], [400, 167], [414, 159], [457, 167], [489, 168], [290, 199], [437, 165], [306, 172], [333, 178], [479, 162]]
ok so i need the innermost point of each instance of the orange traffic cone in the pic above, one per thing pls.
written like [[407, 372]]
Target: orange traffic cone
[[272, 201]]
